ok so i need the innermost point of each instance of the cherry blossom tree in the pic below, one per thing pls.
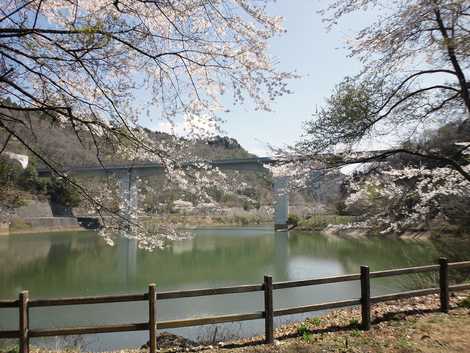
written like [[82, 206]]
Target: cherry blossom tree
[[396, 200], [415, 57], [99, 66]]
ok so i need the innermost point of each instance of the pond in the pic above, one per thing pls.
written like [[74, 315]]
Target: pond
[[80, 264]]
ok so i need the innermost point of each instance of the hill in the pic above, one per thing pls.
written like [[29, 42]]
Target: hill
[[66, 147]]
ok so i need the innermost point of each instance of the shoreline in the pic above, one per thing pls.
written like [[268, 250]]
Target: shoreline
[[41, 225], [412, 234], [325, 330]]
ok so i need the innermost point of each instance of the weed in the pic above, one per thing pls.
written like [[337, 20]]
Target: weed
[[307, 337], [354, 322], [315, 321], [293, 219], [303, 330], [10, 349], [356, 333], [403, 343]]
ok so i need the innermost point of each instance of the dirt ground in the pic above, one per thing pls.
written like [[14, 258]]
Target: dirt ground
[[427, 333], [407, 326]]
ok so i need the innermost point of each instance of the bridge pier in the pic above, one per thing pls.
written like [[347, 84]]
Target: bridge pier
[[129, 195], [127, 260], [127, 175], [281, 202], [128, 185]]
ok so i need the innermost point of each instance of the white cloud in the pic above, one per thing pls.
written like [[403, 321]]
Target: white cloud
[[191, 127], [260, 151]]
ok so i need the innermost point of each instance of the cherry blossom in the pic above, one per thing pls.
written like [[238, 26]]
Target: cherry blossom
[[100, 66]]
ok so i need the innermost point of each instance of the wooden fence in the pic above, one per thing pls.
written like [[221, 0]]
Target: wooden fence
[[24, 333]]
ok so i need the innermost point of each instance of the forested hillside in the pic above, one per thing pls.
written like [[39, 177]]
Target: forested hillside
[[74, 149]]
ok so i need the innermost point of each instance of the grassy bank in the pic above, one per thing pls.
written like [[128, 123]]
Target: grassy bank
[[319, 222], [423, 333], [405, 326], [208, 220]]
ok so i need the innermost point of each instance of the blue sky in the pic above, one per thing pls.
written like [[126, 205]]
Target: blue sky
[[311, 51]]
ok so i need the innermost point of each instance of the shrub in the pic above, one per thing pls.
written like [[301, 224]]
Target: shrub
[[293, 219], [63, 193]]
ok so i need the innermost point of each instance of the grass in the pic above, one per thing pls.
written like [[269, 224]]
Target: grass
[[429, 333], [423, 332], [10, 349], [304, 332], [432, 332], [354, 323], [201, 220], [321, 221], [20, 224], [315, 321], [303, 329]]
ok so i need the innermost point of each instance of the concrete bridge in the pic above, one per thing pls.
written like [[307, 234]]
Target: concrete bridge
[[128, 174]]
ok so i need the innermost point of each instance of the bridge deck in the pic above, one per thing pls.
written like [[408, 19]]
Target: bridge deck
[[151, 168]]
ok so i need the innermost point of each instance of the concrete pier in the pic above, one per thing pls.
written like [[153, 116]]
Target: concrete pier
[[281, 202], [129, 194], [128, 179]]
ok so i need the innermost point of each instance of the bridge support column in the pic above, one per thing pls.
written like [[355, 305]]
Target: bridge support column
[[281, 202], [128, 245], [129, 195], [127, 261]]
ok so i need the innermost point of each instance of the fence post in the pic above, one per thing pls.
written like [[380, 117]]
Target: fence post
[[24, 321], [444, 283], [152, 292], [268, 309], [365, 297]]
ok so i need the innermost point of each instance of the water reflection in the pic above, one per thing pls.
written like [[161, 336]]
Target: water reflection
[[61, 265], [281, 254], [127, 260]]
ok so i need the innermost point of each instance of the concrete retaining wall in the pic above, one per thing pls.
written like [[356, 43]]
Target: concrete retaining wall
[[33, 209], [43, 225], [37, 217]]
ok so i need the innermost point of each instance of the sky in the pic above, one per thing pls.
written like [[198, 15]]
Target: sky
[[317, 55], [308, 49]]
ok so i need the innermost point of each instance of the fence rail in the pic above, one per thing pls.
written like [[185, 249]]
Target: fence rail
[[23, 303]]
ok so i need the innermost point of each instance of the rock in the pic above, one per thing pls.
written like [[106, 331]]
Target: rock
[[169, 340]]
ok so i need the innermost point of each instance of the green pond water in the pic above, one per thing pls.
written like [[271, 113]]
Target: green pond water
[[80, 264]]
